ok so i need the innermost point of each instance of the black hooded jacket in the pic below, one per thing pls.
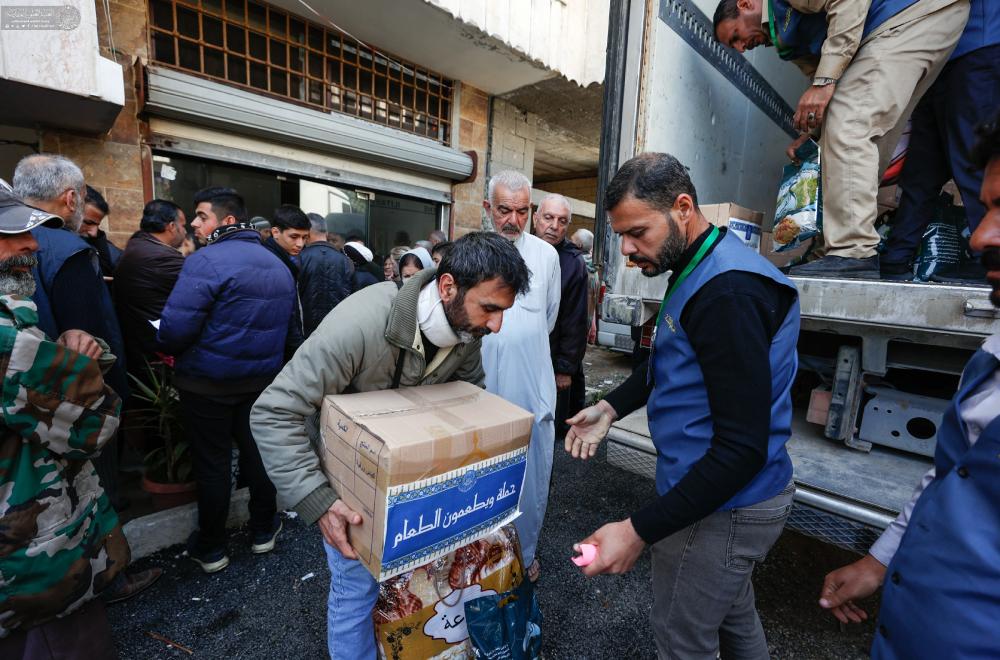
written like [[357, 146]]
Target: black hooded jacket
[[568, 339], [326, 277]]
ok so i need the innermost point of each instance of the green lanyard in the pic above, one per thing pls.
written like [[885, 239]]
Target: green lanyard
[[711, 240], [695, 260], [783, 51]]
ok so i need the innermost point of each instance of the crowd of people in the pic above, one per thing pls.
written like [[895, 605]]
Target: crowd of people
[[261, 319], [256, 324]]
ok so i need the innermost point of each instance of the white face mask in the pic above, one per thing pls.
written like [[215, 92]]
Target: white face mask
[[432, 319]]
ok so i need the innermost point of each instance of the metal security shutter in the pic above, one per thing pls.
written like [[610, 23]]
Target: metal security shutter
[[181, 96]]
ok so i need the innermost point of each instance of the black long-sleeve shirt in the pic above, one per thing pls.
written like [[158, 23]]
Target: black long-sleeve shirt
[[730, 323]]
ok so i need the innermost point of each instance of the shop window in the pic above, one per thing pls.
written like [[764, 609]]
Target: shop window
[[383, 221], [298, 61]]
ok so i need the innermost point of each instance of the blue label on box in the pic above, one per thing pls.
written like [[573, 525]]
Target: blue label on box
[[429, 518]]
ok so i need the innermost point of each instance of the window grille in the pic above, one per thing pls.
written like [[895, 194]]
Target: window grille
[[264, 49]]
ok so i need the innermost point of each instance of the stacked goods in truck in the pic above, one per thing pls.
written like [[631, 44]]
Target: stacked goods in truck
[[743, 222], [798, 216], [430, 469]]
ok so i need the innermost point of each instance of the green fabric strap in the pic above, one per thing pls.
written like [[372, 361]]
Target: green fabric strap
[[713, 237], [783, 51]]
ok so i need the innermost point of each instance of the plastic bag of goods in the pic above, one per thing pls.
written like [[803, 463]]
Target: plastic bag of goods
[[945, 240], [421, 613], [799, 213], [506, 626]]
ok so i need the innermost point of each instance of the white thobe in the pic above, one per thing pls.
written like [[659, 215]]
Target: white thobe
[[518, 368]]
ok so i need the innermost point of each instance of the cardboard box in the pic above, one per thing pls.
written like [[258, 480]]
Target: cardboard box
[[745, 223], [785, 258], [429, 469]]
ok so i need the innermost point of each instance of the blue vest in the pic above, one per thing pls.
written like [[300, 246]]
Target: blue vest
[[942, 589], [982, 30], [799, 34], [55, 246], [680, 421]]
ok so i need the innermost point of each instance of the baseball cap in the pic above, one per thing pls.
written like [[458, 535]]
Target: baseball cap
[[16, 217]]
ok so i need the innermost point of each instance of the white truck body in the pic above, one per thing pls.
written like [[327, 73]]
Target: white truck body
[[670, 87]]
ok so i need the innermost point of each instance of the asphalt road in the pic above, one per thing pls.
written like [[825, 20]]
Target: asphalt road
[[274, 606]]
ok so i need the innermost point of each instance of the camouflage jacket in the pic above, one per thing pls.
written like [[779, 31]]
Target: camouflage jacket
[[60, 541]]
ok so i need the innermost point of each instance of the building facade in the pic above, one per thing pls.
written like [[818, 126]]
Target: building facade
[[386, 116]]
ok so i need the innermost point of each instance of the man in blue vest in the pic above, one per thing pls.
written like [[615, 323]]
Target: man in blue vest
[[870, 61], [942, 134], [69, 290], [942, 554], [70, 294], [717, 391]]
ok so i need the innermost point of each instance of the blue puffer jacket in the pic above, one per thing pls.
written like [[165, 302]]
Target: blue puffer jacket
[[227, 318]]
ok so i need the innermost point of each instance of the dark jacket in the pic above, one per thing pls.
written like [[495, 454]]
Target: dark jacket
[[568, 339], [365, 275], [228, 316], [70, 295], [325, 278], [108, 253], [295, 335], [145, 276]]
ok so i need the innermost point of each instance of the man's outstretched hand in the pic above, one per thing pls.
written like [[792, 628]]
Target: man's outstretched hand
[[336, 527], [587, 428], [849, 583]]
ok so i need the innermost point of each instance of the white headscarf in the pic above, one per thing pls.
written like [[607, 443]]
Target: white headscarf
[[422, 254]]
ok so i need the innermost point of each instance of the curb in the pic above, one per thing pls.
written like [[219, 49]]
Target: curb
[[156, 531]]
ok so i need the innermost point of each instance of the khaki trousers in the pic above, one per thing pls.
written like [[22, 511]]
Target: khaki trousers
[[866, 116]]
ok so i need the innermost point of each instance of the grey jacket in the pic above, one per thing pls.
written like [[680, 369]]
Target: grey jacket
[[354, 349]]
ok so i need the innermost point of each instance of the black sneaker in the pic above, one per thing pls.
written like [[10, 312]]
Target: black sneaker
[[211, 561], [839, 267], [264, 541], [971, 272], [895, 272]]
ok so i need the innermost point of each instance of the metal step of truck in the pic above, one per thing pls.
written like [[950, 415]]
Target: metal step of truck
[[843, 497]]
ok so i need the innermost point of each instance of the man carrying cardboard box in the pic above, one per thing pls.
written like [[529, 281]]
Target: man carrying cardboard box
[[426, 332]]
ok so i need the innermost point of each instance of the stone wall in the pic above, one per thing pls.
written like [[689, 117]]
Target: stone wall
[[112, 162], [512, 140], [472, 135], [584, 189]]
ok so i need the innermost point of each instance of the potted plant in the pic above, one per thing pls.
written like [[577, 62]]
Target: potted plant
[[168, 468]]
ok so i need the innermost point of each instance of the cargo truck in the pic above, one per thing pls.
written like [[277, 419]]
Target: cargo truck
[[879, 360]]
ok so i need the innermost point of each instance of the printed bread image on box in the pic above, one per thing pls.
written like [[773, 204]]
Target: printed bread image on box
[[430, 469], [421, 613]]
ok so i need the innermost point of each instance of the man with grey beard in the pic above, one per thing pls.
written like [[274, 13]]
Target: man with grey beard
[[62, 542], [69, 290]]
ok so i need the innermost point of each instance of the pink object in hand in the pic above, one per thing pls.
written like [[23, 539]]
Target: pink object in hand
[[588, 553]]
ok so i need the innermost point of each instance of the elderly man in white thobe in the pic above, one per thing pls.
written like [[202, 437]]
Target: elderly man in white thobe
[[516, 359]]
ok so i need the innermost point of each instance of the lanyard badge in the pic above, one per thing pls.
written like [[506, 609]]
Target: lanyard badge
[[661, 317]]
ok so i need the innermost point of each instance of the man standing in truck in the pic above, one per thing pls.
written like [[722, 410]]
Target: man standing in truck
[[717, 391], [870, 61], [942, 553]]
